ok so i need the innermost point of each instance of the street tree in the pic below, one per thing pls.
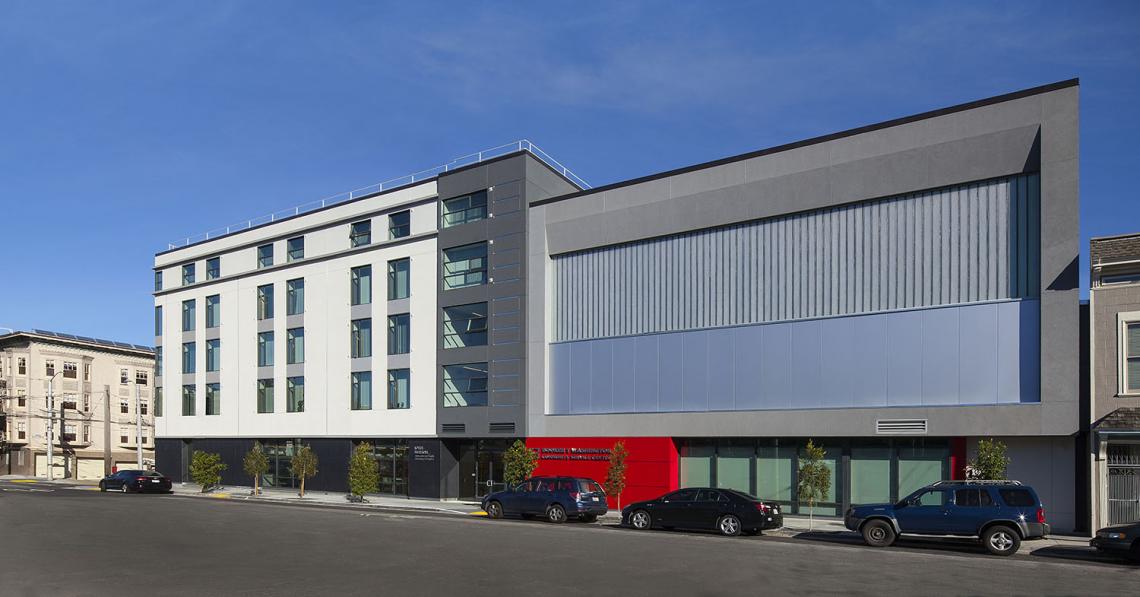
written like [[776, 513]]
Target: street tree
[[815, 478], [518, 463], [990, 462], [615, 475], [363, 473], [206, 469], [255, 464], [304, 466]]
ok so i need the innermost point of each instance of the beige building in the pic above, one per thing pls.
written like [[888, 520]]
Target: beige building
[[102, 392], [1114, 411]]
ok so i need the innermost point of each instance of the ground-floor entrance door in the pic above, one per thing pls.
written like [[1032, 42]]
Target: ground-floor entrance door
[[1123, 483], [481, 467]]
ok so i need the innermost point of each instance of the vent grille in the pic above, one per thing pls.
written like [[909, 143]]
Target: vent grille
[[453, 427], [900, 426], [502, 427]]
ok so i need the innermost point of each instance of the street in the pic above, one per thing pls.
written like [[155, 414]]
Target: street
[[73, 541]]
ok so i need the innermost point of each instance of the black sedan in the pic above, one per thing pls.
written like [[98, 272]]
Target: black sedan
[[726, 511], [1121, 539], [136, 481]]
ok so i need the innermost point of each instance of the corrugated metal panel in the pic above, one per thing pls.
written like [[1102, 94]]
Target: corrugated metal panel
[[974, 242]]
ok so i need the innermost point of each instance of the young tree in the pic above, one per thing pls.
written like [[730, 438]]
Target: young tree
[[815, 478], [990, 461], [615, 476], [304, 466], [206, 469], [363, 472], [518, 463], [255, 464]]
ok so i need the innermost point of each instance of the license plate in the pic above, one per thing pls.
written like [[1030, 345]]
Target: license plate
[[595, 498], [155, 481], [769, 519]]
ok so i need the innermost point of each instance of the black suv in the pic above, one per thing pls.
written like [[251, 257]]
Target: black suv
[[1000, 513]]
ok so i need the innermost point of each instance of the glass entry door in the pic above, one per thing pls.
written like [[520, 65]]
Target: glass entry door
[[488, 472], [392, 458]]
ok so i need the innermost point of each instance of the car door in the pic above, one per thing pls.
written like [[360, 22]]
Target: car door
[[538, 497], [514, 499], [705, 509], [673, 509], [967, 513], [924, 512], [115, 481]]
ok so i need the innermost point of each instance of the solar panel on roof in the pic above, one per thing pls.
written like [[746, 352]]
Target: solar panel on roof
[[85, 338]]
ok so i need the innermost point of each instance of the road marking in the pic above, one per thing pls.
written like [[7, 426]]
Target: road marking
[[220, 496], [478, 513], [23, 481]]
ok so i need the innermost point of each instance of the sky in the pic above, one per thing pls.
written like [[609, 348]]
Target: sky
[[127, 125]]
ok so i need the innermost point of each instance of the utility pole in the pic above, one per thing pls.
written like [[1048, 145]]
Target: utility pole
[[106, 431], [139, 426], [51, 429]]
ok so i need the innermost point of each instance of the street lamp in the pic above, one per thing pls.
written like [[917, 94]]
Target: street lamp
[[51, 427]]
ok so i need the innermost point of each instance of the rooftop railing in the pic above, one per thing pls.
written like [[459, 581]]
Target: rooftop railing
[[400, 181]]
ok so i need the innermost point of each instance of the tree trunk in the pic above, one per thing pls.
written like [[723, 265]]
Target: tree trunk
[[302, 486], [811, 513]]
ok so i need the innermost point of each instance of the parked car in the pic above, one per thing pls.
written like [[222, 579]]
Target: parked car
[[726, 511], [1120, 539], [1000, 513], [555, 498], [136, 481]]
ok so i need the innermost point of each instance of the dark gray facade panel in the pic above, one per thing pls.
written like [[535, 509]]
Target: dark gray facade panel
[[968, 243]]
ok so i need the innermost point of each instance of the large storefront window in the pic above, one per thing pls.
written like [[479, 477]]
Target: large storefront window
[[830, 504], [696, 465], [920, 466], [775, 466], [870, 475], [734, 467]]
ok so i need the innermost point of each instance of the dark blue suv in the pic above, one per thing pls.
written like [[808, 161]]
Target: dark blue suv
[[554, 498], [1000, 513]]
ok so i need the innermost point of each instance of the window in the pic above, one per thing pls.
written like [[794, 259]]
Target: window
[[295, 297], [465, 325], [124, 376], [362, 390], [188, 274], [465, 385], [934, 497], [213, 399], [360, 234], [21, 430], [213, 311], [49, 368], [972, 498], [265, 349], [1120, 279], [157, 281], [124, 406], [398, 271], [295, 249], [264, 396], [69, 431], [68, 403], [142, 378], [465, 266], [295, 394], [70, 370], [361, 338], [360, 287], [264, 256], [213, 268], [86, 371], [188, 354], [157, 360], [142, 407], [399, 224], [22, 366], [187, 401], [398, 333], [685, 495], [399, 395], [1018, 498], [265, 302], [295, 346], [460, 210], [188, 315], [1131, 377], [124, 435], [86, 434], [214, 355], [158, 320], [87, 403], [158, 401]]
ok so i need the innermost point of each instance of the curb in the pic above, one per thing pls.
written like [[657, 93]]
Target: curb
[[440, 512]]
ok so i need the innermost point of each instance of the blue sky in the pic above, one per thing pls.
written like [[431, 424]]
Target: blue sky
[[126, 125]]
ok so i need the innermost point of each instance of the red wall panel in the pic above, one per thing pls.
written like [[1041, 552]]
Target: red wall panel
[[651, 464]]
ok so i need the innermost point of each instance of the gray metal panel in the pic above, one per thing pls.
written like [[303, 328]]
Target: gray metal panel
[[917, 250]]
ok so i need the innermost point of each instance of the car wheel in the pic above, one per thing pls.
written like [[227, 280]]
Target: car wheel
[[123, 488], [878, 533], [102, 487], [494, 510], [1001, 540], [588, 517], [1134, 553], [556, 514], [728, 525], [640, 520]]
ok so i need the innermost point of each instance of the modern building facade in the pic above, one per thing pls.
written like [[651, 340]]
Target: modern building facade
[[101, 401], [1114, 406], [894, 292]]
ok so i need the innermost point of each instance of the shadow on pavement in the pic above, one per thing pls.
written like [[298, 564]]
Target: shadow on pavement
[[1080, 554]]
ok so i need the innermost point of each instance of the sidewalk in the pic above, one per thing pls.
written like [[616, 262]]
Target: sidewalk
[[329, 499]]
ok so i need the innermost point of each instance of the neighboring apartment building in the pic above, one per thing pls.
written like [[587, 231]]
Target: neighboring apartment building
[[1114, 410], [101, 389], [894, 292]]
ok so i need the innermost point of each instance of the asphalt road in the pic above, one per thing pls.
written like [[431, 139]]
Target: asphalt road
[[64, 541]]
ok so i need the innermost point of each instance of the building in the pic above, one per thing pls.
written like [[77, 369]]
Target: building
[[894, 292], [1114, 409], [100, 391]]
